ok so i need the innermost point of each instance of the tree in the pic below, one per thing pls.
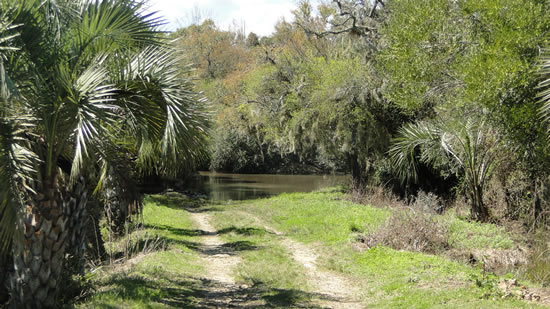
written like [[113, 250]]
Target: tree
[[353, 23], [335, 110], [312, 97], [459, 54], [215, 53], [452, 59], [88, 80], [469, 148], [252, 40]]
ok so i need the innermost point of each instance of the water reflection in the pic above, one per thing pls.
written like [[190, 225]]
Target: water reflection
[[222, 186]]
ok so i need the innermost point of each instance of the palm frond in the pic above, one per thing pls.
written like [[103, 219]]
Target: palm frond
[[16, 161], [470, 147], [114, 24], [160, 105], [92, 108], [405, 152], [39, 37], [7, 86], [16, 173], [7, 34], [544, 85]]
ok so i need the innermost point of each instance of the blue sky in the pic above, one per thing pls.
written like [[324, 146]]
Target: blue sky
[[259, 16]]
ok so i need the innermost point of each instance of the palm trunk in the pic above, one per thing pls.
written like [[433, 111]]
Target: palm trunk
[[537, 207], [75, 210], [120, 205], [93, 231], [50, 224], [116, 210], [479, 211], [39, 259]]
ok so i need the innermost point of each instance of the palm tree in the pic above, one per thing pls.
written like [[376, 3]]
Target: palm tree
[[12, 158], [469, 148], [7, 207], [82, 82]]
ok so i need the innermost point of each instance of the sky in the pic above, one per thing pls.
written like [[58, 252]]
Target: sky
[[259, 16]]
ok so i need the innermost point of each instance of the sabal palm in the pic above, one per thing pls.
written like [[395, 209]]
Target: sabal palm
[[82, 83], [470, 148]]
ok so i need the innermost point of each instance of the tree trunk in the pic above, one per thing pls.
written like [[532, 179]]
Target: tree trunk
[[537, 207], [75, 210], [93, 231], [479, 211], [357, 175], [39, 259], [120, 204], [51, 223], [509, 206], [6, 267], [116, 210]]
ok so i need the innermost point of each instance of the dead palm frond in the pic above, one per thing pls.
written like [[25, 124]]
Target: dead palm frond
[[544, 85]]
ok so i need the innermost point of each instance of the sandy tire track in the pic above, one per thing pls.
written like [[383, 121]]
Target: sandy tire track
[[341, 292], [219, 264]]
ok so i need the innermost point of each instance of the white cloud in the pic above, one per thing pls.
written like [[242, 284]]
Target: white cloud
[[259, 16]]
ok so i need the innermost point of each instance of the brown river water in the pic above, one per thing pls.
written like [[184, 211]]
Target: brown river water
[[222, 186]]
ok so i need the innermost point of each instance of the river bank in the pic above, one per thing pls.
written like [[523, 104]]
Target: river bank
[[292, 250]]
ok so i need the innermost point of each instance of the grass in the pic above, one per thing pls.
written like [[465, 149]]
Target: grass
[[166, 278], [324, 217], [268, 261], [269, 277], [389, 278], [174, 278], [474, 235]]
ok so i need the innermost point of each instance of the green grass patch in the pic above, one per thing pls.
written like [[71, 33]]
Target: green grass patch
[[269, 277], [325, 217], [475, 235], [167, 277], [389, 278], [402, 279], [269, 263]]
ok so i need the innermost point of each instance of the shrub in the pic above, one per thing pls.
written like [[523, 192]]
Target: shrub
[[376, 196], [427, 202], [538, 267], [412, 231]]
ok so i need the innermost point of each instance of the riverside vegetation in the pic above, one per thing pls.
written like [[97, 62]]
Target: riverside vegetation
[[438, 109], [265, 234]]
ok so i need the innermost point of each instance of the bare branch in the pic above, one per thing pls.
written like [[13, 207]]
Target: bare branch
[[352, 15]]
